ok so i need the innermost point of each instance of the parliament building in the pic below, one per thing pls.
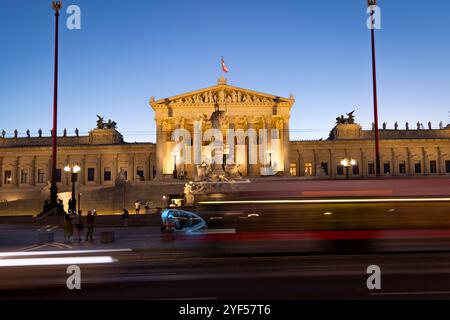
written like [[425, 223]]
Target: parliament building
[[104, 156]]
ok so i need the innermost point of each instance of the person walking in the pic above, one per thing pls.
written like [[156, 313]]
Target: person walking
[[137, 206], [125, 216], [68, 228], [79, 223], [90, 219]]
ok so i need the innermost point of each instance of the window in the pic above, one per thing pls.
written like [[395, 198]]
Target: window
[[340, 170], [8, 177], [140, 173], [371, 168], [433, 166], [293, 169], [24, 176], [356, 170], [387, 168], [324, 166], [447, 166], [107, 174], [308, 169], [41, 175], [418, 167], [58, 175], [91, 174], [402, 167]]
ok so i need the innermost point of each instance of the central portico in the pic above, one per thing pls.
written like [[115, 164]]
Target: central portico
[[242, 109]]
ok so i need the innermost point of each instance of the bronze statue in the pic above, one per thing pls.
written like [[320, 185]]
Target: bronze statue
[[100, 122]]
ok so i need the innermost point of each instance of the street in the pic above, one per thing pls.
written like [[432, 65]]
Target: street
[[270, 251]]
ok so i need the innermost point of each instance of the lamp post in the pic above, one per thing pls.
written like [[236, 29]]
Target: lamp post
[[73, 170], [371, 4], [347, 163], [53, 204], [175, 173]]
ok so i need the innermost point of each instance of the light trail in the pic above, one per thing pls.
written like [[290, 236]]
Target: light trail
[[319, 201], [55, 261], [61, 252]]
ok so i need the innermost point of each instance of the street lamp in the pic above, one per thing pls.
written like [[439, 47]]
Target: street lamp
[[175, 173], [269, 152], [56, 5], [347, 163], [371, 5], [73, 170]]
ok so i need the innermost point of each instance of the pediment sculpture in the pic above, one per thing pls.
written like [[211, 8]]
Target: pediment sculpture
[[223, 96]]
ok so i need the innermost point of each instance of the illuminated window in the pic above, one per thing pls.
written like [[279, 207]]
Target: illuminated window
[[8, 177], [308, 169], [293, 169]]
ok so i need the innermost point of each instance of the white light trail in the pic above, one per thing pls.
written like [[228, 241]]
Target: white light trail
[[55, 261]]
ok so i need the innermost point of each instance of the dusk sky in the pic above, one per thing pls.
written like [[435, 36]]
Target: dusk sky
[[128, 51]]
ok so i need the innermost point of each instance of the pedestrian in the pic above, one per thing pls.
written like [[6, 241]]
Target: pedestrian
[[125, 216], [79, 223], [137, 205], [90, 219], [68, 228]]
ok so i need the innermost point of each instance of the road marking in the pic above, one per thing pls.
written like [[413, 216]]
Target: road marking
[[409, 293]]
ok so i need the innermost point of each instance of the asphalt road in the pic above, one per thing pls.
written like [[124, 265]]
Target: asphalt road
[[139, 275], [267, 258]]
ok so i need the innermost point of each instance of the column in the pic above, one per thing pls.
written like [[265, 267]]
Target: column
[[363, 164], [133, 167], [300, 164], [160, 146], [17, 172], [116, 168], [1, 172], [394, 166], [285, 135], [251, 168], [83, 171], [440, 168], [409, 162], [33, 172], [99, 169], [332, 168], [150, 167]]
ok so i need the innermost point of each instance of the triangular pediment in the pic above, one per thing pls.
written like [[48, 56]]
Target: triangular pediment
[[222, 94]]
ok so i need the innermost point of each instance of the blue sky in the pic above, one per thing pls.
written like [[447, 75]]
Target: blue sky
[[128, 51]]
